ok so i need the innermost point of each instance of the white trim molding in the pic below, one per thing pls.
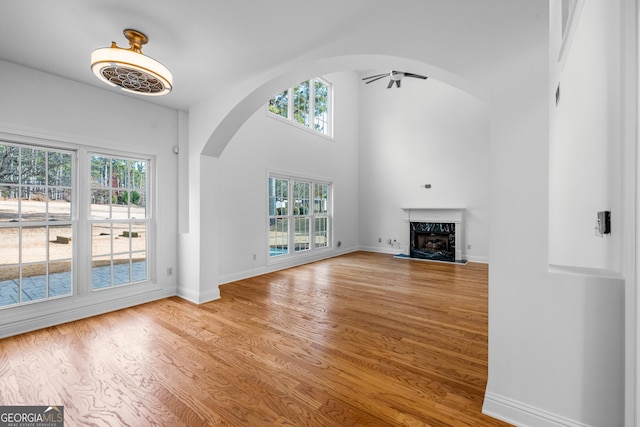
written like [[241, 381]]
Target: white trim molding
[[570, 23], [198, 297], [630, 12], [39, 315], [288, 263], [521, 414]]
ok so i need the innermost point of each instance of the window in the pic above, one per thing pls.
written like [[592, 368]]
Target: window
[[44, 213], [307, 104], [119, 221], [299, 215], [36, 228]]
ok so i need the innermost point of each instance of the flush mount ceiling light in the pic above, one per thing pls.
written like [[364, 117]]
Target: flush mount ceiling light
[[130, 69]]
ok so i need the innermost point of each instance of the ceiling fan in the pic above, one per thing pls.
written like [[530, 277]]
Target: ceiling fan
[[394, 76]]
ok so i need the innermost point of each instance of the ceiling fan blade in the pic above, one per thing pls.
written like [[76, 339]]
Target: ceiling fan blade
[[417, 76], [378, 78], [390, 84], [398, 83], [373, 77]]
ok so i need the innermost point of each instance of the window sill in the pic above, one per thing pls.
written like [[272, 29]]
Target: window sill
[[298, 125], [305, 256]]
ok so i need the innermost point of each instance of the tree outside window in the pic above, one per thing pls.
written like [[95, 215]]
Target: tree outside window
[[307, 104]]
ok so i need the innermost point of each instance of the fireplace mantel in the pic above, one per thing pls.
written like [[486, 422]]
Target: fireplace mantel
[[434, 214], [437, 215]]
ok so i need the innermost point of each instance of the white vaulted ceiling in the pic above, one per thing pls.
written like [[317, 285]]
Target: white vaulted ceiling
[[211, 46]]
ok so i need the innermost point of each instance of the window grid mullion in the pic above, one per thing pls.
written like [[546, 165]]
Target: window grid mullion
[[20, 227], [46, 228], [290, 104], [312, 103], [312, 216], [20, 261], [111, 269], [291, 228]]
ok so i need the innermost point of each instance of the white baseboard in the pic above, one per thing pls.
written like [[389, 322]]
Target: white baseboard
[[523, 415], [478, 259], [294, 262], [291, 262], [40, 315], [198, 298], [381, 250]]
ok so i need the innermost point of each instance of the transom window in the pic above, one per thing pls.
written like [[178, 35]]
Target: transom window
[[307, 104], [299, 215]]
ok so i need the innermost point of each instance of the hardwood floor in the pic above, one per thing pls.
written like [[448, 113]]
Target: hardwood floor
[[363, 339]]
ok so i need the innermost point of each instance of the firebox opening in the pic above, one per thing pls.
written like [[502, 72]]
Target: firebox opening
[[434, 241]]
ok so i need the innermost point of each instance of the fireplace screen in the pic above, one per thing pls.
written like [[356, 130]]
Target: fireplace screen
[[433, 240]]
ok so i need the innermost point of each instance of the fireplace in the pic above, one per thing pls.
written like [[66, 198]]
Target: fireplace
[[434, 234], [433, 240]]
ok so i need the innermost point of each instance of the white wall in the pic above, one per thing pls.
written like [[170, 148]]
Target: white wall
[[48, 109], [585, 143], [426, 132], [556, 341], [238, 194]]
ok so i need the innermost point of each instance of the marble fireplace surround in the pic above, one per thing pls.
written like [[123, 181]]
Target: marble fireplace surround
[[435, 215]]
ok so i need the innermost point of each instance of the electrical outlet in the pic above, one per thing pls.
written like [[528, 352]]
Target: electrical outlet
[[254, 257], [469, 246], [169, 271], [379, 239]]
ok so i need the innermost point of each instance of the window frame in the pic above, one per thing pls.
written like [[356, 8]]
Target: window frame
[[291, 217], [47, 223], [81, 269], [289, 119], [111, 220]]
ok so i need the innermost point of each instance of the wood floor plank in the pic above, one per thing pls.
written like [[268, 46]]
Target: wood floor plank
[[362, 339]]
